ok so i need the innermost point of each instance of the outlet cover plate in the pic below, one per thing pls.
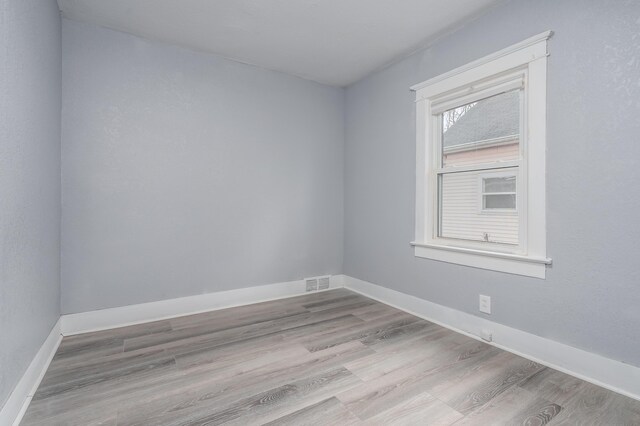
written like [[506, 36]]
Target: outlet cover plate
[[485, 304]]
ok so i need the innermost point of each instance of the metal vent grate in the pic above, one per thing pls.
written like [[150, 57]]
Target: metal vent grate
[[323, 283], [312, 284]]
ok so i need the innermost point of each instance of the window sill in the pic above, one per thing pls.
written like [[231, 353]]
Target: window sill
[[530, 266]]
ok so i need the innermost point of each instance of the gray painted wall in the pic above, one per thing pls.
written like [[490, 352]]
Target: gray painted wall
[[30, 57], [185, 173], [591, 295]]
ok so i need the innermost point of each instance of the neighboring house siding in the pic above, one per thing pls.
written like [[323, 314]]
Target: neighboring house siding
[[462, 215], [505, 152]]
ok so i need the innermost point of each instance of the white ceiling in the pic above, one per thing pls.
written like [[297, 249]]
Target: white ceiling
[[335, 42]]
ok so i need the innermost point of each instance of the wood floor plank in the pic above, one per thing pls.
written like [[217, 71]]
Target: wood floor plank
[[97, 399], [420, 409], [180, 343], [378, 395], [120, 369], [220, 332], [90, 345], [203, 390], [322, 358], [373, 311], [325, 304], [539, 414], [485, 382], [246, 314], [369, 330], [254, 408], [593, 405], [315, 388], [437, 345], [392, 334], [515, 406], [553, 385], [329, 412], [221, 353], [86, 417]]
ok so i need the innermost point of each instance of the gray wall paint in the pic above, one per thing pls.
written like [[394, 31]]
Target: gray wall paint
[[185, 173], [591, 296], [30, 57]]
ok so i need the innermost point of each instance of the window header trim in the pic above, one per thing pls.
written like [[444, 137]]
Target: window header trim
[[531, 41]]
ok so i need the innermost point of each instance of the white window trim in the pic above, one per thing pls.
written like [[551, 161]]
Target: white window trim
[[528, 59]]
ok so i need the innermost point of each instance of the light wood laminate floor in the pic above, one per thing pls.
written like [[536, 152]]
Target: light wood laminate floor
[[333, 358]]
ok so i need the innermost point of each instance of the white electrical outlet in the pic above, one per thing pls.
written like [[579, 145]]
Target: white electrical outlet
[[485, 304]]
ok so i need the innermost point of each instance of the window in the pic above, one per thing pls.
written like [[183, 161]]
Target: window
[[498, 193], [480, 189]]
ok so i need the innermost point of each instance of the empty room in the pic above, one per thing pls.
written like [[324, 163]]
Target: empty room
[[319, 212]]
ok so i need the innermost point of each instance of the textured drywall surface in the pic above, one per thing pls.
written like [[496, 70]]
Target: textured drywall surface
[[30, 57], [591, 295], [185, 173]]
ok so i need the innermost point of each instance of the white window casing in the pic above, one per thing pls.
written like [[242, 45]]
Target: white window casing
[[522, 67]]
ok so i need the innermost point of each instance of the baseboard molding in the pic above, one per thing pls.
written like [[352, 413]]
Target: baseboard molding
[[605, 372], [18, 402], [123, 316]]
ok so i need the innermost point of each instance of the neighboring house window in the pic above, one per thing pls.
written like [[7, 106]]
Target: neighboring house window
[[498, 193], [480, 189]]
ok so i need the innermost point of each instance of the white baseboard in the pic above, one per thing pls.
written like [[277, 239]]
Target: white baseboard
[[605, 372], [123, 316], [16, 405]]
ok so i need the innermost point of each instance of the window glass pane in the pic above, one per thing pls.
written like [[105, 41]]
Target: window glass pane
[[500, 184], [485, 131], [462, 214], [500, 201]]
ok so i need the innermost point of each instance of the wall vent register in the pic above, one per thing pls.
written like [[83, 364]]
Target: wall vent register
[[318, 283]]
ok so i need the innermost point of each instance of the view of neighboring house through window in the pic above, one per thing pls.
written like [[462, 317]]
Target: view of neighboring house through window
[[477, 191]]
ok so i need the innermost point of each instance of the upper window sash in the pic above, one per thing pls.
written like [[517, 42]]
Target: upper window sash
[[490, 88]]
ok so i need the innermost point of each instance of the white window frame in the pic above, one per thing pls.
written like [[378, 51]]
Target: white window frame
[[523, 65]]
